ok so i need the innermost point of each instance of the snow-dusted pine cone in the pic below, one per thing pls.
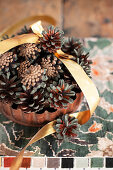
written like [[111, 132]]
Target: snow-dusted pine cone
[[66, 127], [70, 46], [73, 47], [31, 100], [61, 94], [24, 30], [9, 87], [51, 39], [83, 61]]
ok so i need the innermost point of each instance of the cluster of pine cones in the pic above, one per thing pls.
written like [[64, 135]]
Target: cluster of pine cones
[[33, 79]]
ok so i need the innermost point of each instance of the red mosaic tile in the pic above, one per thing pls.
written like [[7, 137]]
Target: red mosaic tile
[[25, 163], [8, 161]]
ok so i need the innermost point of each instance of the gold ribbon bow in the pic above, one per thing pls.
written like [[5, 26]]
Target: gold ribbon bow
[[85, 83]]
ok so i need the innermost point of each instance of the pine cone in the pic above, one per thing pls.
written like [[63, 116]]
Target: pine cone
[[52, 65], [23, 68], [83, 61], [60, 95], [8, 61], [66, 127], [52, 39], [5, 37], [70, 80], [34, 76], [73, 47], [9, 87], [24, 30], [70, 46], [29, 51], [32, 100]]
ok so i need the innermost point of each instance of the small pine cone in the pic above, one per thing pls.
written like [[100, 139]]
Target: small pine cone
[[34, 76], [52, 65], [9, 87], [66, 127], [32, 100], [7, 60], [60, 95], [52, 39], [73, 47], [29, 51], [83, 61], [23, 68], [24, 30], [70, 80], [70, 46], [5, 37]]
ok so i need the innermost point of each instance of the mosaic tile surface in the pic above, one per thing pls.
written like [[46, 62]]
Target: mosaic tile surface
[[26, 163], [95, 137], [109, 163], [82, 162], [39, 162], [97, 162], [50, 163], [67, 163], [53, 162]]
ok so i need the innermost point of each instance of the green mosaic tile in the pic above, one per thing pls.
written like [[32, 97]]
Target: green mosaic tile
[[97, 162]]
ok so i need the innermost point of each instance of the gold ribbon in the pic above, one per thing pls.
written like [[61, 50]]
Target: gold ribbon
[[43, 132], [11, 29], [18, 40], [85, 83]]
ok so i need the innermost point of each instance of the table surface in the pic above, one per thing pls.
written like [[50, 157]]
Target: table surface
[[79, 18], [95, 138]]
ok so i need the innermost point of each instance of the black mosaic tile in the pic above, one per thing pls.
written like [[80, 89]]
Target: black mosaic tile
[[67, 163], [109, 162]]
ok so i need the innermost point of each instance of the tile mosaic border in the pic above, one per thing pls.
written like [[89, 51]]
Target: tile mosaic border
[[60, 162]]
